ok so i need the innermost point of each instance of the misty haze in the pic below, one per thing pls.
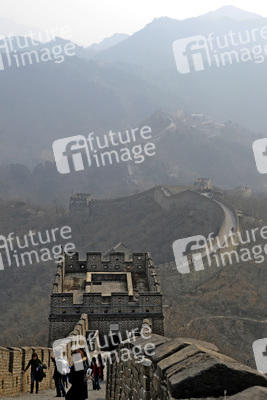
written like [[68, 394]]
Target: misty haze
[[133, 192]]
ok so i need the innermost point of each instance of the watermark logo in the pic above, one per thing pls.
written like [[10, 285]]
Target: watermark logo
[[194, 251], [139, 352], [77, 153], [17, 51], [12, 248], [198, 52], [60, 350], [71, 154], [260, 154], [183, 247], [260, 354], [192, 52]]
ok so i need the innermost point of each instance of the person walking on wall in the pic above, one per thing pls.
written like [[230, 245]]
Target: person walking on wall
[[35, 364], [84, 355], [96, 373], [77, 377], [101, 362], [61, 370]]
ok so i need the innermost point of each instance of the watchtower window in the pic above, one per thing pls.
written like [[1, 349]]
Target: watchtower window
[[11, 360]]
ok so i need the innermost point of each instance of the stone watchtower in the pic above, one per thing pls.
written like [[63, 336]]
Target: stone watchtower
[[117, 291]]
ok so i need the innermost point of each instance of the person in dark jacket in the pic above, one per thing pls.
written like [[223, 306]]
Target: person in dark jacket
[[101, 362], [77, 377], [34, 363], [84, 354], [96, 373], [58, 377]]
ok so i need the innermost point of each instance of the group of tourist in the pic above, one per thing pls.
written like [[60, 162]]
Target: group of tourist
[[77, 375]]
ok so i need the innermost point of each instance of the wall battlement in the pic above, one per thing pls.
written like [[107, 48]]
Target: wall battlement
[[163, 195], [13, 360], [179, 368]]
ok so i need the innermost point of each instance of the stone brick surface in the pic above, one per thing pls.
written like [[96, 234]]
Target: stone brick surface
[[254, 393], [13, 360], [206, 375], [170, 347], [185, 369]]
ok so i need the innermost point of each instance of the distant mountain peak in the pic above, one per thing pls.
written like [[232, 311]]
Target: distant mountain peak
[[109, 42], [232, 12]]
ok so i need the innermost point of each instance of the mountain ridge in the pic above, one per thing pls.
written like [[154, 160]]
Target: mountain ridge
[[108, 42], [233, 12]]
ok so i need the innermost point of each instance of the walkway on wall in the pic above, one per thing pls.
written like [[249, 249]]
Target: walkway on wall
[[50, 394], [230, 220]]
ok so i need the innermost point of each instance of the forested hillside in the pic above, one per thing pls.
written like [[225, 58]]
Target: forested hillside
[[25, 291]]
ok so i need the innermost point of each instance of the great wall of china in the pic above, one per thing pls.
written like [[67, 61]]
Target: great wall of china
[[179, 366], [176, 369]]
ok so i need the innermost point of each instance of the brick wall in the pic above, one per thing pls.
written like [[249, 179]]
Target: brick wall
[[197, 203], [135, 377], [178, 368], [80, 329], [100, 207], [13, 360]]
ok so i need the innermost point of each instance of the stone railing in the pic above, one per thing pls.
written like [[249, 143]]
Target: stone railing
[[13, 360], [81, 326], [93, 340], [154, 284], [57, 285], [177, 369], [80, 330]]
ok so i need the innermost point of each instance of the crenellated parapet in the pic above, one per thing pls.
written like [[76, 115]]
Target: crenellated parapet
[[157, 367], [13, 360]]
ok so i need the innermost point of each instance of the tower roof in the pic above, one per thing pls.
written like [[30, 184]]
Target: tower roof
[[120, 248]]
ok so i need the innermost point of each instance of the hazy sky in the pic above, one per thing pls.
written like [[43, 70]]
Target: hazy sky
[[93, 20]]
